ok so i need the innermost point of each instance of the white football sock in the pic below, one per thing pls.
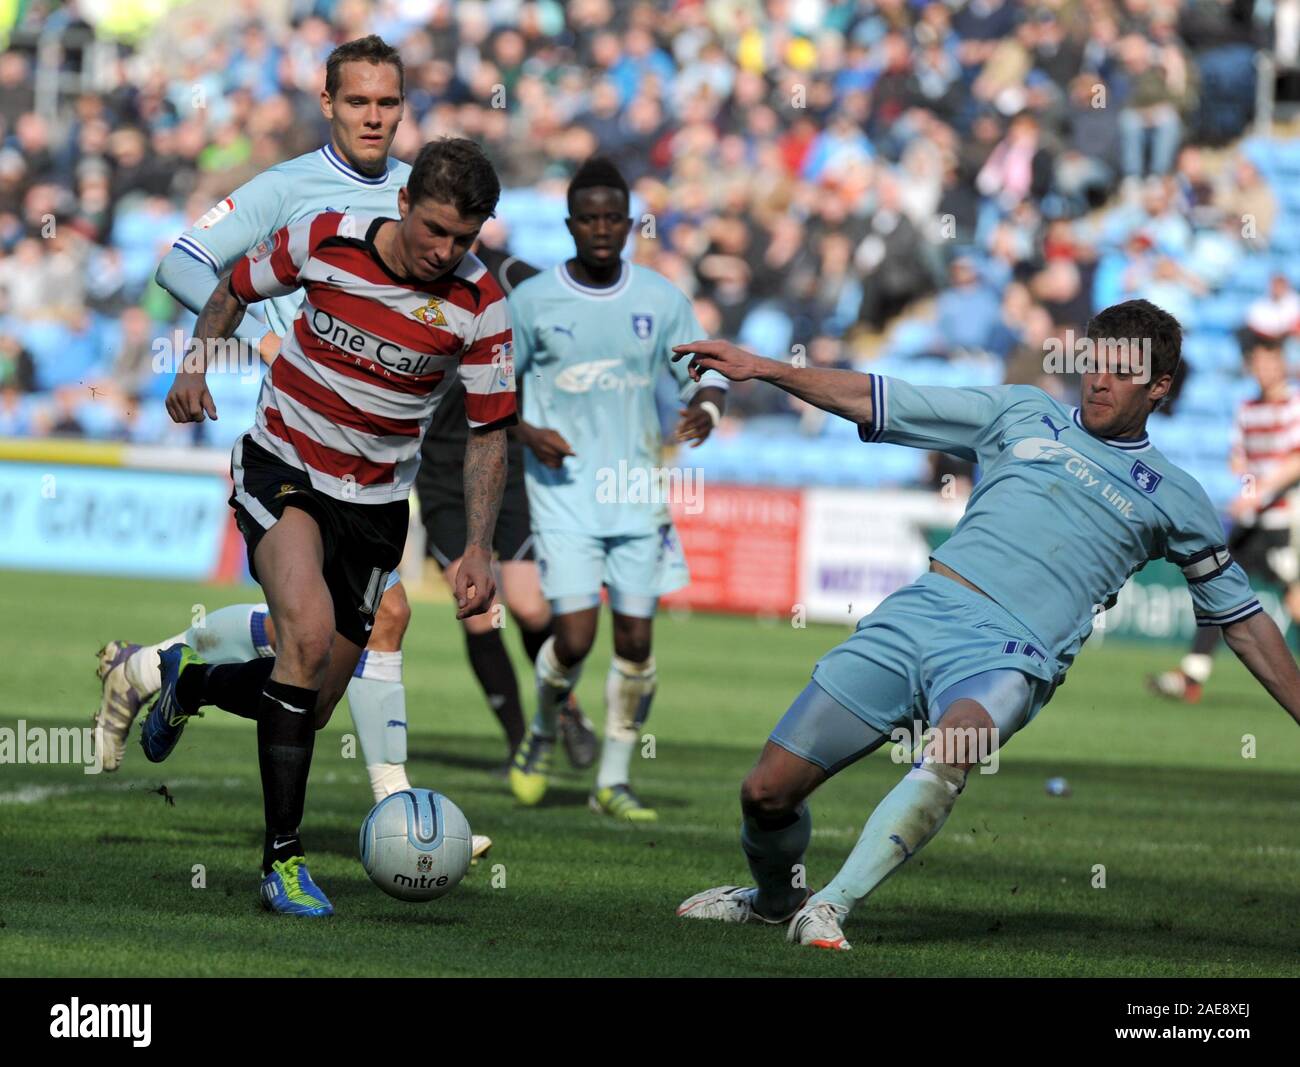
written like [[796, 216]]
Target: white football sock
[[378, 702], [142, 671], [387, 779], [908, 817], [228, 635], [629, 688], [554, 684]]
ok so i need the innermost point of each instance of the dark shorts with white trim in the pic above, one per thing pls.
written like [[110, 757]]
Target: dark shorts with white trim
[[440, 487], [363, 542]]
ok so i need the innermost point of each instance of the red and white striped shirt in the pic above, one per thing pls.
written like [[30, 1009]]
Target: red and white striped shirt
[[1267, 432], [370, 356]]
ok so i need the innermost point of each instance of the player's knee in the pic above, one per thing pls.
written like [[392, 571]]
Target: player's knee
[[966, 736], [635, 649], [572, 647], [763, 797], [632, 639], [306, 651], [391, 621]]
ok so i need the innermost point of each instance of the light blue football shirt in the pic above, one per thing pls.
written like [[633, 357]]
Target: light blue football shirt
[[586, 361], [1060, 518], [306, 185]]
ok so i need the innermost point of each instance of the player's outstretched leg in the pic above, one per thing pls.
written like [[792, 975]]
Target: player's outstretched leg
[[817, 737], [130, 674], [559, 666], [776, 826], [629, 690], [973, 719]]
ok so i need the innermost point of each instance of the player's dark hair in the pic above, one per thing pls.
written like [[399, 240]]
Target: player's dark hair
[[598, 173], [372, 49], [454, 170], [1135, 321], [1253, 339]]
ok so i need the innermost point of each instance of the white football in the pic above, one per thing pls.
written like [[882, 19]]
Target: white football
[[415, 845]]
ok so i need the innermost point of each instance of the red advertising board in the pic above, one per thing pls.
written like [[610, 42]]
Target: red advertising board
[[742, 545]]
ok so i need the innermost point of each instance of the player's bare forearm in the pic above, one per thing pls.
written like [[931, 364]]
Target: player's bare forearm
[[1259, 644], [219, 317], [188, 399], [841, 392], [846, 393], [485, 482]]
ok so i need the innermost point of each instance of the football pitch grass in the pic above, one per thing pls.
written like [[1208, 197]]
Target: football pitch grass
[[99, 873]]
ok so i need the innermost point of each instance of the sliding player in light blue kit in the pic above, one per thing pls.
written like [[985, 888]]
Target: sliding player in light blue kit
[[353, 173], [1071, 502], [591, 337]]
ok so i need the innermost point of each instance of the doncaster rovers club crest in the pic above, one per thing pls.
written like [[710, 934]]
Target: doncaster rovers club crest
[[431, 313]]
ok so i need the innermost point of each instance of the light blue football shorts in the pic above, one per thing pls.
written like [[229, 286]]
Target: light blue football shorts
[[637, 569], [925, 645]]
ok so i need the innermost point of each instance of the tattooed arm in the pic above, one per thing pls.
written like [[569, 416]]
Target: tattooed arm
[[188, 400], [485, 482]]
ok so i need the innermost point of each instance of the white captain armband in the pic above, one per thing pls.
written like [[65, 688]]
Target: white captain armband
[[1202, 566]]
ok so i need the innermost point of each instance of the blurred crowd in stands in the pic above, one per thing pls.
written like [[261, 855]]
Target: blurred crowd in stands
[[864, 183]]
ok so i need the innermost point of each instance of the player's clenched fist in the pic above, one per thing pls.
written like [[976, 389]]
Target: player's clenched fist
[[475, 586], [731, 361], [188, 400]]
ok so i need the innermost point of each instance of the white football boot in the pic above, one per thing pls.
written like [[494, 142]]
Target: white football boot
[[119, 702], [478, 846], [726, 903], [818, 925]]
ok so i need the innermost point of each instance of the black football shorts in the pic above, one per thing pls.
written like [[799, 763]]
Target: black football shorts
[[363, 542]]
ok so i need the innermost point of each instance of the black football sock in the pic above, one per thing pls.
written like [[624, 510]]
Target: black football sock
[[534, 639], [491, 663], [233, 687], [286, 734], [774, 846]]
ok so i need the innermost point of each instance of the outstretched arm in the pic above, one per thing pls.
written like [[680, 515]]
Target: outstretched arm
[[1259, 644], [841, 392]]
